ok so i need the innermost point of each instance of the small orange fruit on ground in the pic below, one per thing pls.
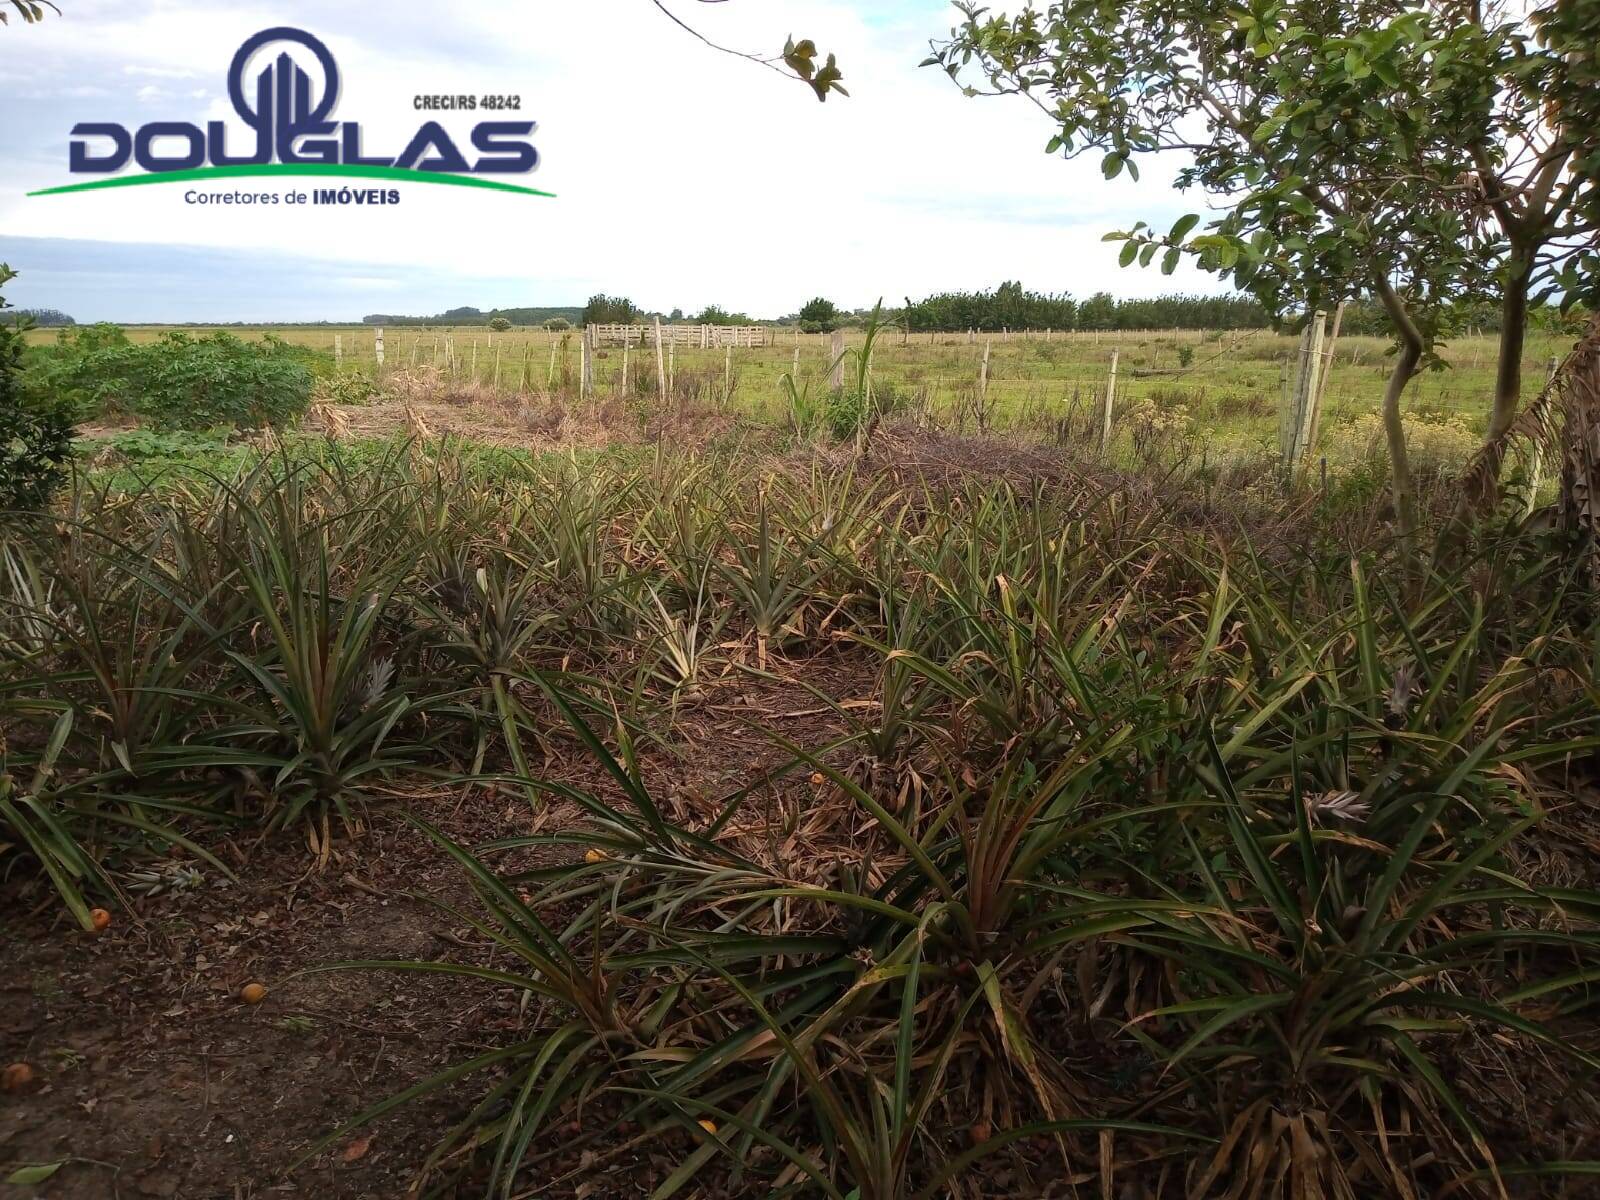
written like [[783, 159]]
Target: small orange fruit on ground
[[16, 1077], [594, 856], [708, 1125], [816, 779], [252, 993], [100, 919]]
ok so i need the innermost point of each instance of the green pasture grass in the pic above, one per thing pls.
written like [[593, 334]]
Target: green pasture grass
[[1229, 392]]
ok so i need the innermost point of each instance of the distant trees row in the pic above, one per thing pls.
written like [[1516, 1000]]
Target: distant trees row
[[477, 316], [619, 310], [42, 318], [1009, 306]]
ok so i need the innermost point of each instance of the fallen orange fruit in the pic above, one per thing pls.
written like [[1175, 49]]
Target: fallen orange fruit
[[252, 993], [16, 1077], [100, 919]]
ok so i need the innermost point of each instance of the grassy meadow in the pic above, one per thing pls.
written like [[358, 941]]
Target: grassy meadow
[[1222, 390]]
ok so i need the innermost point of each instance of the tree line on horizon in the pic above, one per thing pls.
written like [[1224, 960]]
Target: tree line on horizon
[[1008, 306]]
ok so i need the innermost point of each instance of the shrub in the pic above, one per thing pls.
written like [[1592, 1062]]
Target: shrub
[[715, 314], [557, 324], [499, 324], [35, 435], [347, 387], [609, 310], [198, 383], [177, 382], [90, 371], [819, 316]]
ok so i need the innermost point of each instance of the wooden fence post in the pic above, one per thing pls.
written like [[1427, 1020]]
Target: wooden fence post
[[625, 347], [550, 375], [672, 365], [1111, 399], [727, 373], [1324, 369], [1305, 391], [836, 358], [661, 363], [585, 366], [338, 349], [983, 382], [377, 346]]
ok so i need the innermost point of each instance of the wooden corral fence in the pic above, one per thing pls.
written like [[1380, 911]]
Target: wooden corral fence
[[704, 336]]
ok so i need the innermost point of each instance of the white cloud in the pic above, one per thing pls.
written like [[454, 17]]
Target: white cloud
[[149, 72], [683, 176]]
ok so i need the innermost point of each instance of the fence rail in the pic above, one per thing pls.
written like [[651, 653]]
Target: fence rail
[[704, 336]]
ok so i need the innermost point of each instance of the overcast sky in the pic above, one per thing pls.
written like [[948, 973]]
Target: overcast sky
[[682, 176]]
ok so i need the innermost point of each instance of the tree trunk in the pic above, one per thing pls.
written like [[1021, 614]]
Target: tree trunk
[[1405, 493], [1405, 366], [1481, 487]]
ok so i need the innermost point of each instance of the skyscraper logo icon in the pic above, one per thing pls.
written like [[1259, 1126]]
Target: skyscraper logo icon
[[289, 110], [283, 91]]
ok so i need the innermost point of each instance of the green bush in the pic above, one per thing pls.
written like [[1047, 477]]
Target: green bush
[[200, 383], [90, 371], [499, 324], [820, 315], [35, 436], [176, 382]]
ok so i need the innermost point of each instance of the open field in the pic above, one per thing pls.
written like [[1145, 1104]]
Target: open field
[[1228, 394]]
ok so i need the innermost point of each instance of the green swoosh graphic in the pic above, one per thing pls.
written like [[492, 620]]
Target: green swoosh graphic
[[347, 170]]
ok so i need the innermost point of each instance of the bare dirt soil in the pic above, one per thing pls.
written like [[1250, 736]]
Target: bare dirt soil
[[153, 1078]]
